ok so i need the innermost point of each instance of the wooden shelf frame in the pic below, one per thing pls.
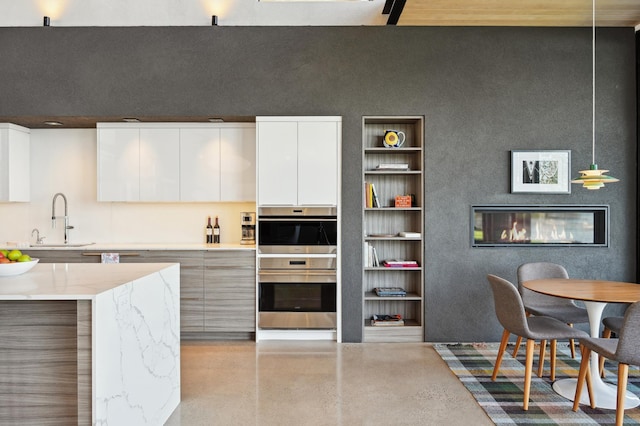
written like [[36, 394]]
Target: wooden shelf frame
[[381, 226]]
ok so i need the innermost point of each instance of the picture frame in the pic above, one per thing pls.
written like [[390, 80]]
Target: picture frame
[[541, 172]]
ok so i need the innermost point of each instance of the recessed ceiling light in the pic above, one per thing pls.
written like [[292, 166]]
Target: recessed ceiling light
[[131, 120], [53, 123], [216, 120]]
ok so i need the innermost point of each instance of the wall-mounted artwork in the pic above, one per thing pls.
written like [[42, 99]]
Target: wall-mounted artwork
[[541, 172]]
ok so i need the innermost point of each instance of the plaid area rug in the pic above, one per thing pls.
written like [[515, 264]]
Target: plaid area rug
[[502, 399]]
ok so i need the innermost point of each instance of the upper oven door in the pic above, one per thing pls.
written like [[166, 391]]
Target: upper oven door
[[297, 231]]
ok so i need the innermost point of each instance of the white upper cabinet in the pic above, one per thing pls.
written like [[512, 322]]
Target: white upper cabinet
[[238, 168], [171, 162], [298, 160], [14, 163], [118, 164], [159, 164], [277, 163], [318, 163], [200, 164]]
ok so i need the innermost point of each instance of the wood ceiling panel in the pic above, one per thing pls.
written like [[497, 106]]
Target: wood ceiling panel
[[543, 13]]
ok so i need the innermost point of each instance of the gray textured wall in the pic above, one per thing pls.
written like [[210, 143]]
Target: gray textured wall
[[483, 92]]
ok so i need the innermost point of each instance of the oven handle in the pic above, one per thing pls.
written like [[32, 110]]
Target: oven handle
[[296, 276]]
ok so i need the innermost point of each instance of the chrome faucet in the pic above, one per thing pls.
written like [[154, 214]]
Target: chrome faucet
[[67, 227], [38, 237]]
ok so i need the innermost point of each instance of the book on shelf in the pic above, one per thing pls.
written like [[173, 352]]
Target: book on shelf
[[376, 200], [387, 320], [393, 166], [394, 263], [371, 195], [371, 256], [390, 291], [409, 234]]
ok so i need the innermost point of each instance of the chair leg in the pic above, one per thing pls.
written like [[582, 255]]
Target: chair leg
[[515, 350], [503, 346], [572, 345], [543, 348], [592, 395], [584, 369], [527, 373], [606, 334], [623, 374], [552, 360]]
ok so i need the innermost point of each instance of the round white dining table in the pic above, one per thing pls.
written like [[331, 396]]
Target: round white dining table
[[595, 294]]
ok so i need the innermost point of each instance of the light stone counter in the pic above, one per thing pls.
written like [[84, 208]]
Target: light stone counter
[[90, 344], [114, 247]]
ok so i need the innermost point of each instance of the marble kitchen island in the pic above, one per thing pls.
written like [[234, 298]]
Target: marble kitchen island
[[90, 344]]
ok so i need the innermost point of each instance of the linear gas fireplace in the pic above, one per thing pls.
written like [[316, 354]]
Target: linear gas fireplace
[[534, 225]]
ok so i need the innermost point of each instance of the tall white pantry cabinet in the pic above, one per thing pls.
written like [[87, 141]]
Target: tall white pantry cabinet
[[298, 160]]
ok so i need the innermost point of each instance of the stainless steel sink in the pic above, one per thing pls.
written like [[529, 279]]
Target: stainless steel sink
[[61, 245]]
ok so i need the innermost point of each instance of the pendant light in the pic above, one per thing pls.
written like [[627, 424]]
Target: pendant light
[[593, 178]]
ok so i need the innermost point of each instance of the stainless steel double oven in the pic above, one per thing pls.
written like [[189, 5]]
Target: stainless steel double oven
[[297, 254]]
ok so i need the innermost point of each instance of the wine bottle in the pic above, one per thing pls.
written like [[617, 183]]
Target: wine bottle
[[209, 231], [216, 232]]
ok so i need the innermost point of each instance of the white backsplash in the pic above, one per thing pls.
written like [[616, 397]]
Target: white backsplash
[[64, 160]]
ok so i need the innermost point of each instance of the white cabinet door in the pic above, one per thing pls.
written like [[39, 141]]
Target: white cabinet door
[[318, 163], [277, 163], [14, 163], [238, 168], [160, 164], [200, 164], [118, 164]]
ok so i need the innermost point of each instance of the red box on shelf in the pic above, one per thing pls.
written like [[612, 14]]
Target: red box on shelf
[[403, 201]]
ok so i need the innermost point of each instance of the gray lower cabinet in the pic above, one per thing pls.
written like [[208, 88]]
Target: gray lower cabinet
[[230, 291], [58, 256], [217, 287], [191, 275], [191, 281]]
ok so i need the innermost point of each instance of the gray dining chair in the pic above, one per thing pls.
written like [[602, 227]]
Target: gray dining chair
[[611, 325], [562, 309], [625, 350], [511, 315]]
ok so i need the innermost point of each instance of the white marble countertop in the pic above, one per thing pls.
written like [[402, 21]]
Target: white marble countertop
[[73, 281], [114, 247]]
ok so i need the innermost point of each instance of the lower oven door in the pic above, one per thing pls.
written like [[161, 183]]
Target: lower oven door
[[290, 300]]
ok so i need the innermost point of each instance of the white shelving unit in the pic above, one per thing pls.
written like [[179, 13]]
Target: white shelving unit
[[382, 225]]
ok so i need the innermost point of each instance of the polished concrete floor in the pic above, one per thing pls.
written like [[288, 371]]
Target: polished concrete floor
[[320, 383]]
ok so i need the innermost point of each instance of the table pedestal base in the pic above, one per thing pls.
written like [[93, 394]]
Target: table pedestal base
[[605, 393]]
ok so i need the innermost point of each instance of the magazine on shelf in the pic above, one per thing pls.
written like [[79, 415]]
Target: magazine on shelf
[[393, 166], [393, 263], [409, 234], [387, 320], [390, 291]]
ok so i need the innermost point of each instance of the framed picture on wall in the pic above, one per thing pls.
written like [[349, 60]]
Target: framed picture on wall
[[541, 172]]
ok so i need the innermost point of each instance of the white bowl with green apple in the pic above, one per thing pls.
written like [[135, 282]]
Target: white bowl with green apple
[[14, 262]]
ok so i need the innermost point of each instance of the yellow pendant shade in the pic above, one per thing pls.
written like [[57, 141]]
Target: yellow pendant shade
[[594, 178]]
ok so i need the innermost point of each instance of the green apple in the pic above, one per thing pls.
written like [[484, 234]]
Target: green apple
[[24, 258], [5, 252], [14, 254]]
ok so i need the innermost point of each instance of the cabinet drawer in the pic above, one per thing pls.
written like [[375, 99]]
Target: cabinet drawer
[[236, 259]]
